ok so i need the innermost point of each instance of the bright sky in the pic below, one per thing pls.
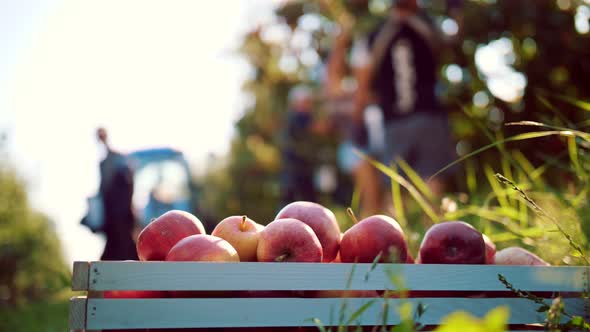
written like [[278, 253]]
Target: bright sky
[[155, 73]]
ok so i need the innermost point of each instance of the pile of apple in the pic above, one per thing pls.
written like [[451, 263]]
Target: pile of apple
[[309, 232]]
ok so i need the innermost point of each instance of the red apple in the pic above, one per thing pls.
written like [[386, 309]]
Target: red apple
[[133, 294], [490, 249], [242, 233], [321, 220], [159, 236], [203, 248], [452, 242], [288, 240], [518, 256], [372, 236]]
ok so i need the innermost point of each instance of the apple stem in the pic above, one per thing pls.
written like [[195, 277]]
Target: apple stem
[[352, 216], [243, 223], [281, 258]]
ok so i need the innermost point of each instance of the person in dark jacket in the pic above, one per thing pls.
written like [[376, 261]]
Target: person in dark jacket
[[116, 189], [297, 181]]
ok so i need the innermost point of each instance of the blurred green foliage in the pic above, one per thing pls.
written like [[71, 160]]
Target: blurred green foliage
[[31, 262], [541, 43], [494, 321], [48, 315]]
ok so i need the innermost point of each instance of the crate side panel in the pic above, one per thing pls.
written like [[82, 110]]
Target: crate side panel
[[309, 276], [185, 313]]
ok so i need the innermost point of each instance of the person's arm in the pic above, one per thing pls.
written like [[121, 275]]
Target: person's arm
[[362, 65], [336, 66], [429, 31], [361, 100]]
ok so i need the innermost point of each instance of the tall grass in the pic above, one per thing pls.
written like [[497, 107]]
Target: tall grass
[[544, 208]]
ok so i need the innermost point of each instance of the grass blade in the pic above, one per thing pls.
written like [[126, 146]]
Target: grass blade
[[359, 312], [506, 169], [522, 208], [318, 324], [532, 173], [415, 178], [404, 183], [355, 201], [583, 105], [566, 131], [398, 205], [373, 265], [490, 135], [519, 137], [537, 209], [496, 189], [471, 177], [554, 109], [572, 149]]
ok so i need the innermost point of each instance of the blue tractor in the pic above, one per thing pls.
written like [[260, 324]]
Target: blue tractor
[[163, 182]]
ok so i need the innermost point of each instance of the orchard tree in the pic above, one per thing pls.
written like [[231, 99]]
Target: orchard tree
[[514, 60]]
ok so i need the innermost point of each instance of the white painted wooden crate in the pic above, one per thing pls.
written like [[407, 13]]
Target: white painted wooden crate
[[95, 313]]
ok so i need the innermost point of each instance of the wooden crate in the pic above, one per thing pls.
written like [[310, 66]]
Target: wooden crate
[[442, 288]]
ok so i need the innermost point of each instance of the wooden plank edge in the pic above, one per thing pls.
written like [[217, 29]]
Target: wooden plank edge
[[77, 317], [80, 276], [296, 276]]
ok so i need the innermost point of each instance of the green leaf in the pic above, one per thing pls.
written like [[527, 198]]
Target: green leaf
[[405, 311], [460, 321], [578, 321], [497, 319]]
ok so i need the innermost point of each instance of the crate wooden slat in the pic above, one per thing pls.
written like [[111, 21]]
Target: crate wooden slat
[[80, 276], [94, 313], [258, 312], [310, 276], [78, 313]]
